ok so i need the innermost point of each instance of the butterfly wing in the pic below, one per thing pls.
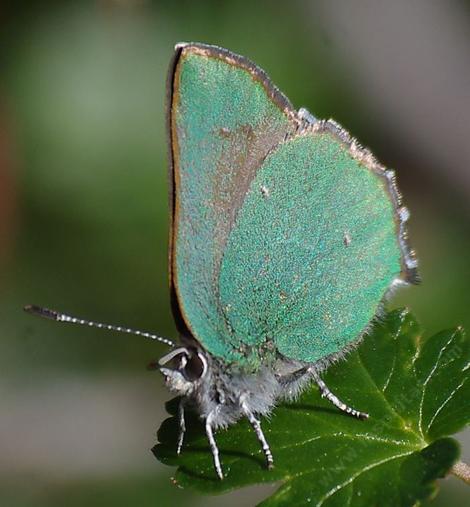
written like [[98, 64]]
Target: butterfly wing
[[315, 247], [224, 116]]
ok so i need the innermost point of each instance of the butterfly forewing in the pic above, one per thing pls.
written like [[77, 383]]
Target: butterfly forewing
[[225, 117]]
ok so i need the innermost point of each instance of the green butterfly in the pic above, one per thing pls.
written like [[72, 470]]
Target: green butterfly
[[287, 236]]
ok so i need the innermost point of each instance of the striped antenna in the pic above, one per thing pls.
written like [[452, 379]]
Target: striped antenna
[[62, 317]]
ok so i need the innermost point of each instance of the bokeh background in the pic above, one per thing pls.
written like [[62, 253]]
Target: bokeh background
[[83, 205]]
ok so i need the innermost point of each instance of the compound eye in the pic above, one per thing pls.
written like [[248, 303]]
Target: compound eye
[[195, 367]]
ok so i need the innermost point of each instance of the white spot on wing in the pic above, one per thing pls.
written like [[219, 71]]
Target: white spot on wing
[[264, 191]]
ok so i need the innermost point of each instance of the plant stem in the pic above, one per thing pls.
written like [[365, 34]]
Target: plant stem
[[462, 471]]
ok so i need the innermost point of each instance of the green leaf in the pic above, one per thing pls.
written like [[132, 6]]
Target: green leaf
[[416, 392]]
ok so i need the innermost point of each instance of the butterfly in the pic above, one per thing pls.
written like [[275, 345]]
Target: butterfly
[[286, 238]]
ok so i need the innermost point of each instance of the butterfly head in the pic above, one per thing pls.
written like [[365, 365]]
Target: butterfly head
[[183, 369]]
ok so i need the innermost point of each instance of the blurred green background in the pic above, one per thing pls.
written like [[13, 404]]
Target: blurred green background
[[83, 205]]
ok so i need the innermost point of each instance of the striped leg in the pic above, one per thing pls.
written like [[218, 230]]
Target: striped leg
[[259, 433], [326, 393], [182, 426], [213, 446]]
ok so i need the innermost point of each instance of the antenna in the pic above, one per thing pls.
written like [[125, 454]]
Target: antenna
[[62, 317]]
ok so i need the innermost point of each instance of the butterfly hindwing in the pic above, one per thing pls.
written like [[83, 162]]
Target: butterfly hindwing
[[314, 249]]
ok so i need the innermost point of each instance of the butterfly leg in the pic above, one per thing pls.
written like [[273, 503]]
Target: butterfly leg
[[293, 383], [213, 446], [181, 425], [326, 393], [255, 423]]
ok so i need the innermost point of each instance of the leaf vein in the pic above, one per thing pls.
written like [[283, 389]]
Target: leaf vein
[[387, 402], [449, 398], [359, 436], [392, 371], [351, 479], [426, 382]]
